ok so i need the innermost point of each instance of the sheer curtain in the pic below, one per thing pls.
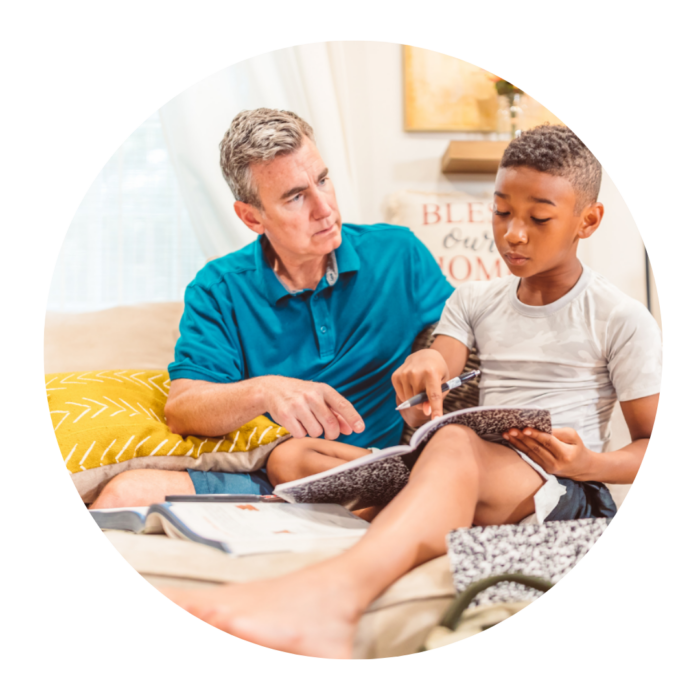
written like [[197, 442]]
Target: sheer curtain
[[308, 80], [131, 239], [160, 206]]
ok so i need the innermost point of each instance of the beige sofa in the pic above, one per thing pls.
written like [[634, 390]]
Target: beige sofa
[[144, 337]]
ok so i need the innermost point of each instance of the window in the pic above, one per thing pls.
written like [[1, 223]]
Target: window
[[131, 240]]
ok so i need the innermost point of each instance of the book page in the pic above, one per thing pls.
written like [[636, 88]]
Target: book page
[[131, 519], [141, 510], [246, 527]]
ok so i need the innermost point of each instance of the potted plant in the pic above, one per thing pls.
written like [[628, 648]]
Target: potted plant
[[509, 115]]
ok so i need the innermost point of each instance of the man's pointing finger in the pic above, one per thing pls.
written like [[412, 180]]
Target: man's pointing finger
[[344, 409]]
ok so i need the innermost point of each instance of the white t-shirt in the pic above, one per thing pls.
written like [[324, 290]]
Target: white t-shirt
[[574, 357]]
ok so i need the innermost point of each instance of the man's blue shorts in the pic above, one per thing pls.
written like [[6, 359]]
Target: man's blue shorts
[[219, 482]]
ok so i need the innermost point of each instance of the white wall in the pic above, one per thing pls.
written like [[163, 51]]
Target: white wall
[[385, 158], [616, 249]]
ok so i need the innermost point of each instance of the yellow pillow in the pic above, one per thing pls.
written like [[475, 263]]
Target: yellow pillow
[[108, 422]]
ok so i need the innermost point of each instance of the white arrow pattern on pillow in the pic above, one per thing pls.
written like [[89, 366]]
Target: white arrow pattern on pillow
[[128, 442], [70, 454], [89, 449], [104, 406], [247, 447], [82, 405], [141, 443], [121, 409], [89, 379], [157, 448], [102, 459], [152, 381], [62, 419]]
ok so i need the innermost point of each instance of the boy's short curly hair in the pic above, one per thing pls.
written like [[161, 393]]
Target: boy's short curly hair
[[558, 151]]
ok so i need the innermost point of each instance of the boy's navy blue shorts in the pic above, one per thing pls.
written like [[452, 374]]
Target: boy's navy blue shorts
[[583, 499]]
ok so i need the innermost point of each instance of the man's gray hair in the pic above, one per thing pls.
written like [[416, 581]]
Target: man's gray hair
[[257, 135]]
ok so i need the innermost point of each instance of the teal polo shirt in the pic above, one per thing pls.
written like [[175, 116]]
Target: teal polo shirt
[[241, 322]]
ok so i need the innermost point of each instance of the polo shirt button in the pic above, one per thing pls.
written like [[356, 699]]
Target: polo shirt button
[[323, 329]]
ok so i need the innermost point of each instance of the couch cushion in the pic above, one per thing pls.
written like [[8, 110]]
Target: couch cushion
[[142, 335]]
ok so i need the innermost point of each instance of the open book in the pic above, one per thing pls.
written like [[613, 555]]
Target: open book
[[375, 479], [242, 528]]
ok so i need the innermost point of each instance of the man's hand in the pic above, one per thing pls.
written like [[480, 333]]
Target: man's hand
[[310, 408], [562, 453], [425, 370]]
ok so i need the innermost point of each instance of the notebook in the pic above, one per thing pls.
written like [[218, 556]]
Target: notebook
[[374, 479]]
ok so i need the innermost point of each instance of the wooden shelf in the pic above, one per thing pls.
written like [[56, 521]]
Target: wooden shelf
[[473, 156]]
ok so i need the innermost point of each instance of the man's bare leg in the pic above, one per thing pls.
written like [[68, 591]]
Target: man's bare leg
[[142, 487], [290, 460], [297, 458], [300, 457], [459, 480]]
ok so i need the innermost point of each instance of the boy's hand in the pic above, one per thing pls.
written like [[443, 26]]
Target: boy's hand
[[562, 453], [425, 370]]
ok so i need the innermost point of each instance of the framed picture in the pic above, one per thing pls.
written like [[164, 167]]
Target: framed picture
[[442, 93]]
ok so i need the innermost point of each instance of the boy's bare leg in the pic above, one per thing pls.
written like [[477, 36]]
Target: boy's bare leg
[[459, 480]]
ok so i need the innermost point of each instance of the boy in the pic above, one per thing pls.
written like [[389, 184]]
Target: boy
[[555, 335]]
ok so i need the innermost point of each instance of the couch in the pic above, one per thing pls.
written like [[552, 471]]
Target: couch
[[143, 337]]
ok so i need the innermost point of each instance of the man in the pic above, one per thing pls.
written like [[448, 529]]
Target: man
[[306, 324]]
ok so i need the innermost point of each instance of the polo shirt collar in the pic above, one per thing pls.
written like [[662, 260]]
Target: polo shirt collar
[[346, 256], [273, 289], [347, 260]]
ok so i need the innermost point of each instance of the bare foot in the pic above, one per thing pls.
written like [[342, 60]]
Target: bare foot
[[311, 612]]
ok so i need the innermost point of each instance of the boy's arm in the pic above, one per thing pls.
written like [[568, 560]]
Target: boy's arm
[[564, 454], [622, 466], [426, 370]]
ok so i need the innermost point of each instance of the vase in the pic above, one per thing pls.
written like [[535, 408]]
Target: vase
[[516, 114], [503, 118]]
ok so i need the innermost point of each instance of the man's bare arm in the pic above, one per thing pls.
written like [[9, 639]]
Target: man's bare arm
[[204, 408], [304, 408]]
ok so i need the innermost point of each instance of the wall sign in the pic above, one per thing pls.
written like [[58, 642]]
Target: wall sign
[[456, 229]]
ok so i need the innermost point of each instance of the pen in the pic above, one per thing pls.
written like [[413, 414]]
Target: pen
[[451, 384]]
